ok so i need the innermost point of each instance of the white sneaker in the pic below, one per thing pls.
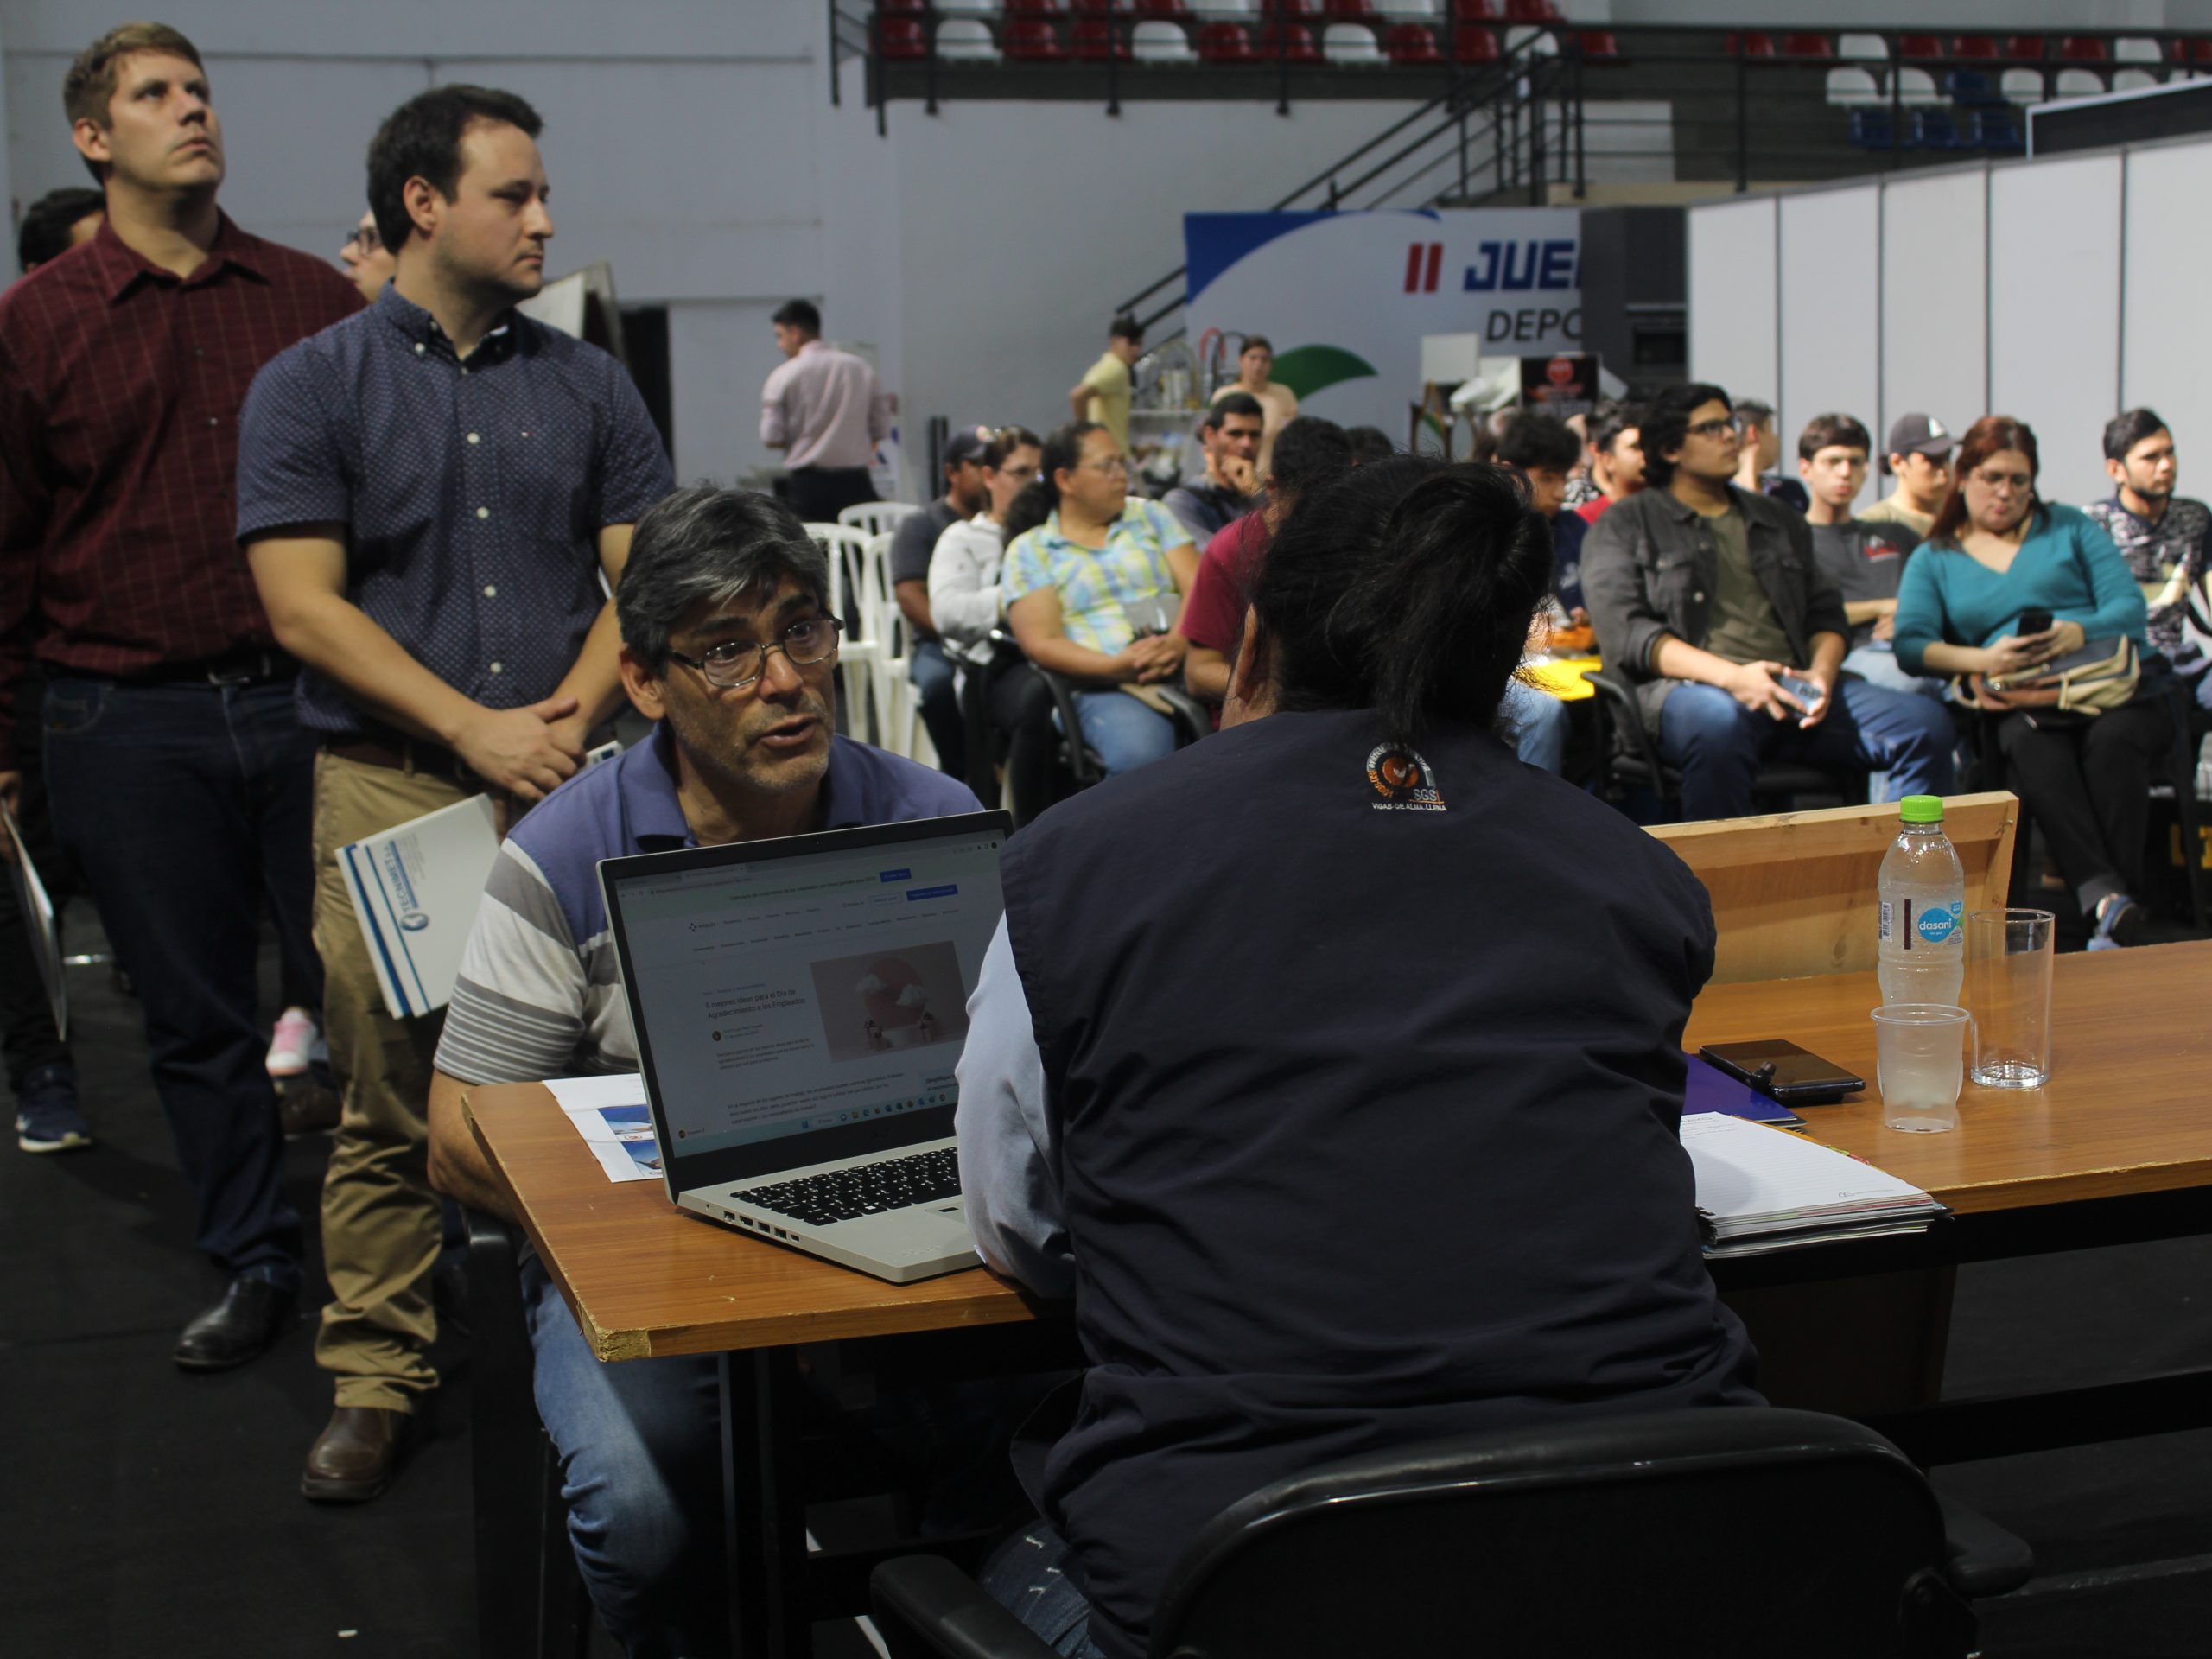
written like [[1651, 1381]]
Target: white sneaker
[[292, 1043]]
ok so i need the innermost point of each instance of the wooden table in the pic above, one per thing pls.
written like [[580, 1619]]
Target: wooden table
[[2117, 1148]]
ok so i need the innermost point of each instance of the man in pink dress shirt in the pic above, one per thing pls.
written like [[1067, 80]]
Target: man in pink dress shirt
[[824, 409]]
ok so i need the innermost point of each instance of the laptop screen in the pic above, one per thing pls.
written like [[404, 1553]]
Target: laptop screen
[[806, 999]]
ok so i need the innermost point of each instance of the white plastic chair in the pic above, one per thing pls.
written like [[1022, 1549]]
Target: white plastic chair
[[2132, 81], [860, 652], [1850, 88], [1351, 43], [1916, 87], [2023, 87], [1871, 49], [1540, 41], [1157, 41], [875, 517], [964, 38], [2080, 83], [2137, 50]]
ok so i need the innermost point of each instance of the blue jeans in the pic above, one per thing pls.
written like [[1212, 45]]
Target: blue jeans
[[1027, 1575], [1538, 724], [1719, 745], [1125, 733], [188, 807], [640, 1446], [938, 693], [1877, 664]]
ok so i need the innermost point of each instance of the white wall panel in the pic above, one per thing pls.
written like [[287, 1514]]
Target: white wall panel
[[2053, 312], [1934, 297], [2167, 339], [1733, 292], [1831, 324]]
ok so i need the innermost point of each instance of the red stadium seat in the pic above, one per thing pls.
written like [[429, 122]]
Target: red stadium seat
[[1031, 40], [1532, 11], [1297, 45], [1096, 40], [1225, 43], [2198, 51], [1349, 11], [1597, 43], [2025, 49], [1974, 46], [902, 38], [1472, 44], [1474, 11], [1808, 46], [1919, 46], [1750, 45], [1032, 8], [1411, 43], [2081, 48], [1172, 11], [1098, 7]]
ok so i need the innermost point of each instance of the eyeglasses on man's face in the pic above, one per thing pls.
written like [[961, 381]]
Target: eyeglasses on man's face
[[1713, 429], [733, 665], [1109, 465], [365, 239]]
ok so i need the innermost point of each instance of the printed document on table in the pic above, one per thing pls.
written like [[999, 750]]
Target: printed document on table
[[1752, 1178], [38, 910], [611, 1114]]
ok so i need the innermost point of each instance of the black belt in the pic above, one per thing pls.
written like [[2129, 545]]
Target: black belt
[[233, 668]]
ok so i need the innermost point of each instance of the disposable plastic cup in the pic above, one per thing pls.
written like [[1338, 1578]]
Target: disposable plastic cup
[[1920, 1060], [2009, 955]]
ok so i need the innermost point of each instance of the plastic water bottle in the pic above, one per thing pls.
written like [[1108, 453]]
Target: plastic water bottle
[[1922, 956]]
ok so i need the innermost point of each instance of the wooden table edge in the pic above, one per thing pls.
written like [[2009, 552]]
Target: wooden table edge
[[608, 1347]]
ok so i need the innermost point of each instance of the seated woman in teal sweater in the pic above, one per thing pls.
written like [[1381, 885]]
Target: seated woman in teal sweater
[[1994, 553]]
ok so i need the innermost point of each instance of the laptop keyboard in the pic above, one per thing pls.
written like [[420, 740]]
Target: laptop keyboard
[[864, 1190]]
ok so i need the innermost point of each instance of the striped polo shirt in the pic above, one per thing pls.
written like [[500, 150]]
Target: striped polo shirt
[[539, 993]]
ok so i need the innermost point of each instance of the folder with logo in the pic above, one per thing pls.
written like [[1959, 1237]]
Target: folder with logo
[[414, 890]]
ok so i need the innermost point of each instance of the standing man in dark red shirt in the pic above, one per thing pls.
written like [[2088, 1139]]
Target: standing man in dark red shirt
[[179, 776]]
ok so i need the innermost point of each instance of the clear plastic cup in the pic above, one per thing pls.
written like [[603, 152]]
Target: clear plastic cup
[[2009, 956], [1920, 1059]]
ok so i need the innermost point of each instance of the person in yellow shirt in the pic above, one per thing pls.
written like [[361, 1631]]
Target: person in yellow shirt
[[1103, 394]]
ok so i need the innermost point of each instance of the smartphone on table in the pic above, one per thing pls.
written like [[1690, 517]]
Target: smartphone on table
[[1794, 1076]]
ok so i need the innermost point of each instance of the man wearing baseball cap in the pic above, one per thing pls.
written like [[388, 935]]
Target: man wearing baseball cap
[[912, 544], [1919, 458]]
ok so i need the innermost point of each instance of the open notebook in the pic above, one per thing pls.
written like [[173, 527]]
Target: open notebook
[[1763, 1189]]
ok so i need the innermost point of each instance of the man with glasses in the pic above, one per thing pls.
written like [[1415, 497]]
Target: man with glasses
[[435, 497], [369, 264], [726, 646], [1708, 598]]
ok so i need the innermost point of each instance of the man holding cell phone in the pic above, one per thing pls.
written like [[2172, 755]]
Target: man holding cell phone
[[1709, 599]]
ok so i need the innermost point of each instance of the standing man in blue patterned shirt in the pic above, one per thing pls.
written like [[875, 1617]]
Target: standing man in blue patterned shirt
[[431, 494]]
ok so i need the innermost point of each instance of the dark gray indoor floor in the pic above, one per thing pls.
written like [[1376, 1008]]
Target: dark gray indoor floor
[[149, 1512]]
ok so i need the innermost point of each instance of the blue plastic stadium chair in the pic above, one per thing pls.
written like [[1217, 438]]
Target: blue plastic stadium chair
[[1970, 90], [1934, 130], [1997, 129], [1872, 129]]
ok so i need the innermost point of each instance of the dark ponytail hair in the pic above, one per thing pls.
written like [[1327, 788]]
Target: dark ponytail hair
[[1407, 587], [1061, 452]]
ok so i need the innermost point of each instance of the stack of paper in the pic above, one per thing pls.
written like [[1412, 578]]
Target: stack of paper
[[1764, 1189], [611, 1114]]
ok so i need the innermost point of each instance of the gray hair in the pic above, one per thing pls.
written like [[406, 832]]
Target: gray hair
[[705, 543]]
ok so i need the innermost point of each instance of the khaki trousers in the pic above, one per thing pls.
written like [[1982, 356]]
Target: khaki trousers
[[382, 1225]]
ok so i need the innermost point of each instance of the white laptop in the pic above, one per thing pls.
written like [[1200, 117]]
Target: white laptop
[[800, 1005]]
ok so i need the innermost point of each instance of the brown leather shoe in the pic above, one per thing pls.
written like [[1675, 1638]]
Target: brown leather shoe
[[307, 1107], [353, 1459]]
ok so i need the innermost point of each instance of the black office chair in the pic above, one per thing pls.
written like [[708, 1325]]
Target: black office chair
[[1629, 760], [1080, 762], [1729, 1534]]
